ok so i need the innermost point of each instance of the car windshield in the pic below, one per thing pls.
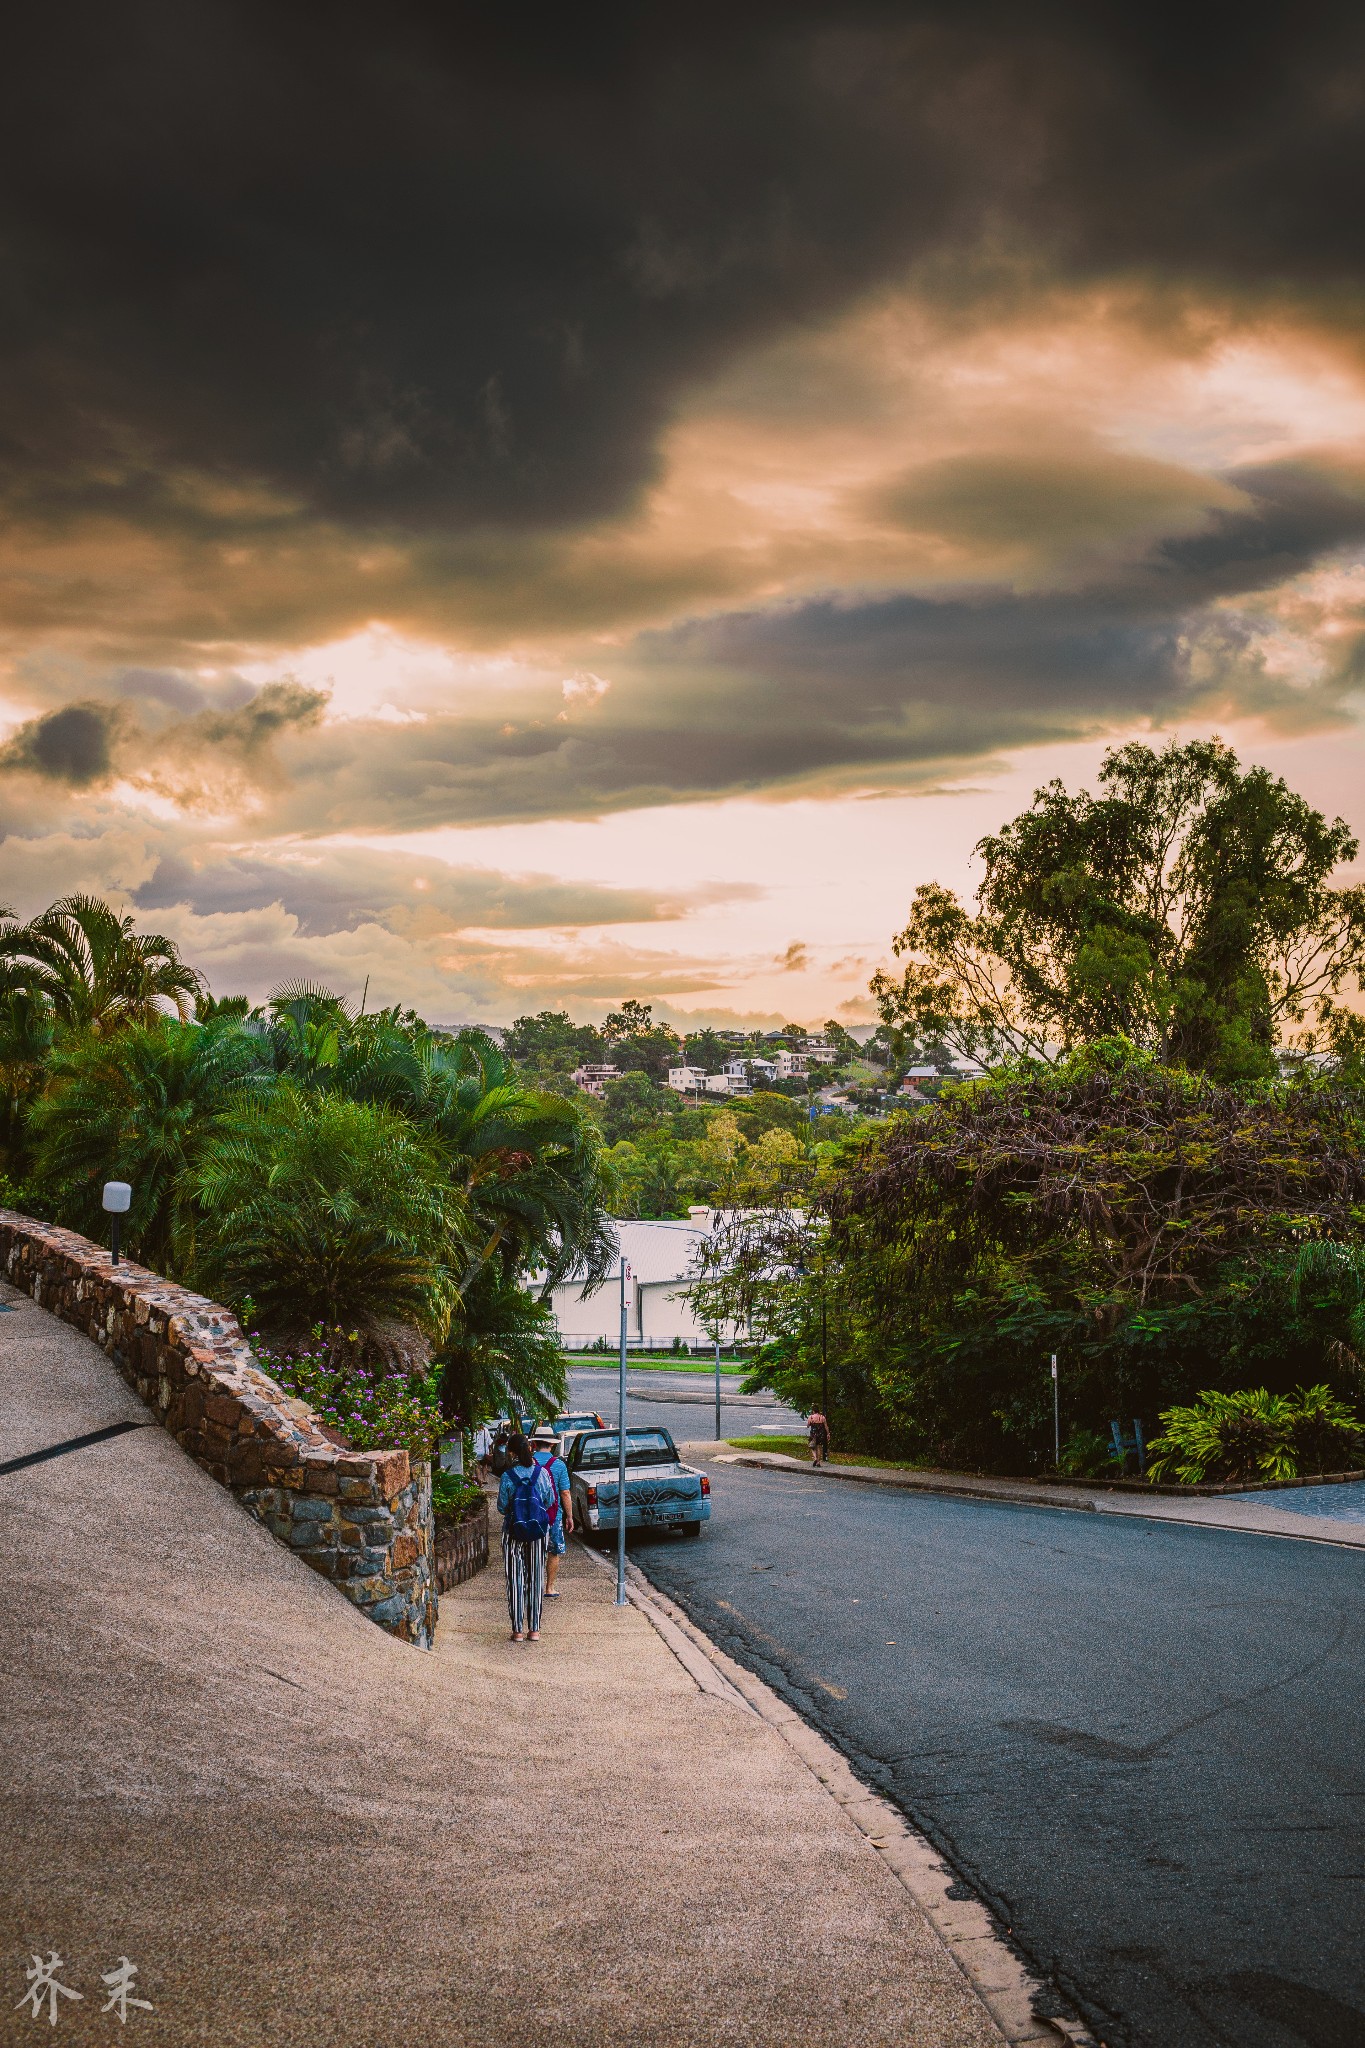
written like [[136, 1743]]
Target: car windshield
[[643, 1447], [566, 1423]]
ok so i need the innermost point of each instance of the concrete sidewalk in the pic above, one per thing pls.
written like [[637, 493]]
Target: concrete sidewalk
[[1258, 1517], [303, 1831]]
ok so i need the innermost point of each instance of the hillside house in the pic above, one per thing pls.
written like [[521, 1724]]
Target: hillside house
[[593, 1079]]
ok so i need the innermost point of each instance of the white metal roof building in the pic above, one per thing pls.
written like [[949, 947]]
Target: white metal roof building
[[658, 1305]]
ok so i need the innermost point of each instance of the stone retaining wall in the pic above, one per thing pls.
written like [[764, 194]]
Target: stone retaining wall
[[361, 1518]]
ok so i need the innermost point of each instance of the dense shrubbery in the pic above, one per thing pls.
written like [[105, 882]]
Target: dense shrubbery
[[1144, 1223], [1163, 1234], [353, 1171]]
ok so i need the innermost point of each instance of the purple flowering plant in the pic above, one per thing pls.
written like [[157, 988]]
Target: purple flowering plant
[[372, 1404]]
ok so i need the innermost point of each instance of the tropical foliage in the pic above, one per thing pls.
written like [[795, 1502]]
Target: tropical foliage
[[1252, 1434], [1161, 1233], [406, 1191], [324, 1210]]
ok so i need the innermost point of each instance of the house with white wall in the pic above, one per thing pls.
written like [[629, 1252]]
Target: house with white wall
[[687, 1079], [593, 1078], [662, 1271]]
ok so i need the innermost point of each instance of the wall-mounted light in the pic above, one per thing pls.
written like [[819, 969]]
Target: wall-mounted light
[[117, 1199]]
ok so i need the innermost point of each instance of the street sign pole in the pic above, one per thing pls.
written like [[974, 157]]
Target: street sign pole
[[718, 1390], [621, 1456], [1056, 1419]]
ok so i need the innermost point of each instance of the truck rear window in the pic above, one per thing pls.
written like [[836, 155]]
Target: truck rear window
[[643, 1447]]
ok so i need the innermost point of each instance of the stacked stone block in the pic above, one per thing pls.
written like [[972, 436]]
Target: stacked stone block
[[361, 1518]]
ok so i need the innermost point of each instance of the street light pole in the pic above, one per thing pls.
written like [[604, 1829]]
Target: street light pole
[[621, 1456], [1056, 1418], [718, 1390]]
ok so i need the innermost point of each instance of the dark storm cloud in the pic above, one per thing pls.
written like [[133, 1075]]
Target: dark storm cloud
[[337, 889], [878, 687], [74, 745], [211, 758], [444, 267]]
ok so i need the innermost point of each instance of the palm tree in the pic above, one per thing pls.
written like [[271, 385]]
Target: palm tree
[[25, 1044], [136, 1107], [530, 1162], [323, 1210], [94, 970]]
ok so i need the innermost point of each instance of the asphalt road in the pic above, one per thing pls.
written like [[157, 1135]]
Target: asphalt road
[[683, 1403], [1142, 1744]]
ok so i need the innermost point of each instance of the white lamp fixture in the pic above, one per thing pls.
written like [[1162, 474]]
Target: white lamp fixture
[[117, 1200]]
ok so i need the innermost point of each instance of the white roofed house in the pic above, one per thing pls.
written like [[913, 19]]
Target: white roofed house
[[660, 1256]]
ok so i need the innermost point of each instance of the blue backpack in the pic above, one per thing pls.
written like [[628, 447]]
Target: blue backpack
[[531, 1512]]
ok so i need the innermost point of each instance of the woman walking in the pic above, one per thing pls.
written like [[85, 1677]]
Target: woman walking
[[527, 1502], [817, 1436]]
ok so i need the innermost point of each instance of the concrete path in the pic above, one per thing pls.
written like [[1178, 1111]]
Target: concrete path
[[301, 1831]]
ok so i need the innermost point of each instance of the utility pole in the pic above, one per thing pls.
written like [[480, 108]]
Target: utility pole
[[1056, 1418], [621, 1455]]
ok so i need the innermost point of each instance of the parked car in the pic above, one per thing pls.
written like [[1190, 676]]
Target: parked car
[[570, 1426], [661, 1492]]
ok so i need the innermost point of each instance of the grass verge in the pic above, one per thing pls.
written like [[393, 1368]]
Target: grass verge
[[666, 1361], [797, 1447]]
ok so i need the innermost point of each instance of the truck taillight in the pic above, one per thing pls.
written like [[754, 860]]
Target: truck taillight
[[592, 1496], [705, 1486]]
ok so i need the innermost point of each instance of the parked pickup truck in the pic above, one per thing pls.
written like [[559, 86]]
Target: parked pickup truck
[[661, 1492]]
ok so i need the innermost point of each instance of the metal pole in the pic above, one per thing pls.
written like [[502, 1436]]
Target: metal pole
[[113, 1223], [621, 1457], [1056, 1419], [718, 1390]]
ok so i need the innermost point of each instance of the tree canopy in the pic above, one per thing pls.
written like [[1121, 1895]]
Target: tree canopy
[[1188, 906], [1147, 1224]]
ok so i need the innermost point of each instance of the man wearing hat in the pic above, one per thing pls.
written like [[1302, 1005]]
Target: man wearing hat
[[545, 1450]]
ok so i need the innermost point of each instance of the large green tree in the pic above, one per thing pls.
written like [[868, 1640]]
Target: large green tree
[[1143, 1222], [1188, 905], [323, 1210]]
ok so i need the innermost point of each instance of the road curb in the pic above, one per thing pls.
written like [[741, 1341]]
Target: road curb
[[1232, 1514], [1002, 1982]]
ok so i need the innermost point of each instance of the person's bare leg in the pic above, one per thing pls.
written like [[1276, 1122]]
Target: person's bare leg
[[551, 1571]]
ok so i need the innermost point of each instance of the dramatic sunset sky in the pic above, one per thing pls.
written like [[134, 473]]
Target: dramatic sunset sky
[[536, 509]]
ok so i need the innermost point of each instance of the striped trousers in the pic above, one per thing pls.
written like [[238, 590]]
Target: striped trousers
[[524, 1567]]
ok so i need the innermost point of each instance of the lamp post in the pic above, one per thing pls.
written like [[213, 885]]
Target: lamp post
[[118, 1198]]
